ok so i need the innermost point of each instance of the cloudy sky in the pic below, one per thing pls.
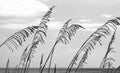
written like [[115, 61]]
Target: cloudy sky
[[18, 14]]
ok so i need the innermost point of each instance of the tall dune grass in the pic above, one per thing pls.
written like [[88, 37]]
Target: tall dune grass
[[108, 60], [89, 44], [19, 37], [38, 37], [65, 34]]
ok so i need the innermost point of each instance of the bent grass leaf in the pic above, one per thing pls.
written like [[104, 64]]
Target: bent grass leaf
[[19, 37]]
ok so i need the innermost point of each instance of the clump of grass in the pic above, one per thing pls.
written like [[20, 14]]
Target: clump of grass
[[103, 31], [38, 37], [64, 36], [19, 37], [107, 61]]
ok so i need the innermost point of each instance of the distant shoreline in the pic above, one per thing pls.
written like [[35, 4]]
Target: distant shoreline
[[61, 70]]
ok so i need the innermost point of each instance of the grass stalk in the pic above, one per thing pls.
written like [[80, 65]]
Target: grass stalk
[[55, 71], [7, 67], [41, 62]]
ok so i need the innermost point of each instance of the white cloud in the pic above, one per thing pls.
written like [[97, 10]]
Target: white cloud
[[45, 0], [21, 7], [106, 16], [92, 25], [51, 25], [55, 25], [14, 26], [84, 20], [18, 26]]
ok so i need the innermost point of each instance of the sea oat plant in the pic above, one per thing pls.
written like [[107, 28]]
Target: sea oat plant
[[103, 31], [65, 34]]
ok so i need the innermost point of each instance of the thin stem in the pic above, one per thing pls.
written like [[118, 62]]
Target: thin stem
[[49, 56], [7, 67], [55, 69], [52, 56]]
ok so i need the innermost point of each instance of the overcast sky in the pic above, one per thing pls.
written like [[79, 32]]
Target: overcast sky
[[18, 14]]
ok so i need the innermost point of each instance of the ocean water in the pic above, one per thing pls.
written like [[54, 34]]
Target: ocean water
[[62, 70]]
